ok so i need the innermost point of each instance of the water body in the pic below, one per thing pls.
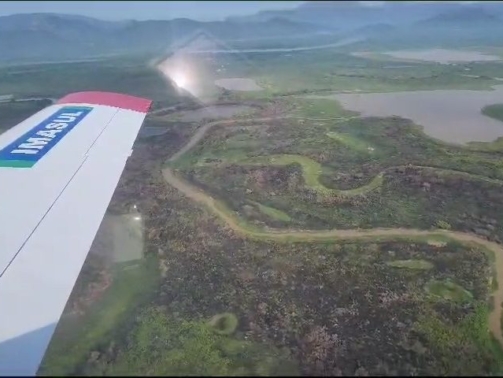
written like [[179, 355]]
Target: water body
[[341, 43], [41, 62], [9, 98], [238, 84], [443, 56], [400, 66], [453, 116]]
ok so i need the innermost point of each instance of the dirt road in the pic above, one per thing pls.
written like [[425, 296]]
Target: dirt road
[[292, 235]]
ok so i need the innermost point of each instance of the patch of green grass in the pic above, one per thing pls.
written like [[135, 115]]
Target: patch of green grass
[[273, 213], [337, 70], [496, 145], [443, 225], [448, 290], [350, 141], [437, 243], [76, 338], [224, 212], [494, 280], [494, 111], [224, 324], [411, 264], [468, 342], [447, 173], [318, 108], [160, 345], [233, 347], [311, 171]]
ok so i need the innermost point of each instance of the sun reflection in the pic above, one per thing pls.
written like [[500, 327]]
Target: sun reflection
[[188, 74], [179, 79]]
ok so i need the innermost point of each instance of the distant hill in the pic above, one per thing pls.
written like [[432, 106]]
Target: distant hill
[[464, 17], [393, 24], [47, 36], [350, 15], [373, 30], [471, 25], [458, 27], [353, 15]]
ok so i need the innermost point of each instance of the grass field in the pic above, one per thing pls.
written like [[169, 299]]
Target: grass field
[[294, 166], [78, 336], [494, 111], [11, 113], [411, 264], [58, 79], [273, 213], [333, 70]]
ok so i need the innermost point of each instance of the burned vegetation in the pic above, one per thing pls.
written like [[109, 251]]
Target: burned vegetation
[[252, 307]]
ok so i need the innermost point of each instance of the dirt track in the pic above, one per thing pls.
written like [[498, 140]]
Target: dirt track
[[291, 235]]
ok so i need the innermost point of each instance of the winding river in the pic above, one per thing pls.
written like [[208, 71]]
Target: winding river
[[297, 235]]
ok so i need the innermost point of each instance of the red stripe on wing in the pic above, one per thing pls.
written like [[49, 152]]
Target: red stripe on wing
[[117, 100]]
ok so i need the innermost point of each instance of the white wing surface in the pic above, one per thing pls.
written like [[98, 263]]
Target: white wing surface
[[58, 172]]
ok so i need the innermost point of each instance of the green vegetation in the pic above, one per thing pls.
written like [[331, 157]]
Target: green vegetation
[[448, 290], [317, 108], [161, 345], [411, 264], [494, 111], [273, 213], [224, 324], [350, 141], [273, 304], [334, 273], [281, 242], [494, 281], [291, 166], [78, 335], [14, 112], [311, 171], [338, 70], [443, 225], [461, 347], [133, 77]]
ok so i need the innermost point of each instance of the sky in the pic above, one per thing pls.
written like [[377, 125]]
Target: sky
[[146, 10], [156, 10]]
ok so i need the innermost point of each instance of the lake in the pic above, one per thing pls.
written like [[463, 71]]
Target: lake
[[442, 56], [453, 116]]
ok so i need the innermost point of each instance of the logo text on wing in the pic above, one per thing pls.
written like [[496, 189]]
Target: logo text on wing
[[29, 148]]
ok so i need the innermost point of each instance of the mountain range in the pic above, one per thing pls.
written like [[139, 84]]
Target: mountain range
[[54, 37], [61, 37], [349, 15]]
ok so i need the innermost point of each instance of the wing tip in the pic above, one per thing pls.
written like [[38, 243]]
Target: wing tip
[[117, 100]]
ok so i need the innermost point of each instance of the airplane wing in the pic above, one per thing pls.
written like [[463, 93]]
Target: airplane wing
[[58, 172]]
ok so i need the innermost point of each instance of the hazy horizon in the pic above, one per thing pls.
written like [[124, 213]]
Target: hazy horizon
[[146, 10], [161, 10]]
